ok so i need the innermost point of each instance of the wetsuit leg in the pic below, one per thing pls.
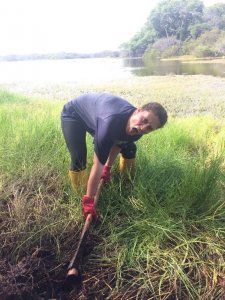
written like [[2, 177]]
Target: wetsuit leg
[[128, 150], [75, 137]]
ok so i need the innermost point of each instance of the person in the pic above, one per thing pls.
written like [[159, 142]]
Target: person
[[115, 125]]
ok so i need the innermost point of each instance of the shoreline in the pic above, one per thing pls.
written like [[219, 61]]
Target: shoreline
[[193, 59]]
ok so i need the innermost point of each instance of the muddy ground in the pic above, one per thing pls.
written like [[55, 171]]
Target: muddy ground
[[37, 277], [40, 276]]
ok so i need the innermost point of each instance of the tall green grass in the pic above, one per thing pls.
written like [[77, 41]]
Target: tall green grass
[[162, 234], [170, 224]]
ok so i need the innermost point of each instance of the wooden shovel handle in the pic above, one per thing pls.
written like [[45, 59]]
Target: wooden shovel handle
[[85, 229]]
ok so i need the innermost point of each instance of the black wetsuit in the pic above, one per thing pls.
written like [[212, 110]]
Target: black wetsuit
[[105, 117]]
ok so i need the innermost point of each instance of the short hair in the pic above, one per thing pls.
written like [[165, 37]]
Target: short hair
[[158, 110]]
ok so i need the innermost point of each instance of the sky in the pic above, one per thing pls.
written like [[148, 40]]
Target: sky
[[82, 26]]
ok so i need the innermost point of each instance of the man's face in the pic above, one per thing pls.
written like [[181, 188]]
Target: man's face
[[142, 122]]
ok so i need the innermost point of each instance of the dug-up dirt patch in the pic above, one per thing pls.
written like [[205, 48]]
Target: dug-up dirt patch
[[38, 277]]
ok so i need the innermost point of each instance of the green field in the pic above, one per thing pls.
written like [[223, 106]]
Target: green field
[[159, 237]]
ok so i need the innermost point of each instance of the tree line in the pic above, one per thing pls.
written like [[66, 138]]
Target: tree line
[[58, 55], [180, 27]]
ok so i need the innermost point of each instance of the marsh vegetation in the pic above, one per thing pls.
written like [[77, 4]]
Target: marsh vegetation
[[160, 236]]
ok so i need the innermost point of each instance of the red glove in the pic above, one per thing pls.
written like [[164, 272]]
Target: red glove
[[88, 207], [106, 174]]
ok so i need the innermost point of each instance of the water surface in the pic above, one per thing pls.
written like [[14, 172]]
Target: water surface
[[176, 67], [94, 70]]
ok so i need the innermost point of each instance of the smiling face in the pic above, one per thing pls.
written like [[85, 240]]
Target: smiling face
[[142, 122]]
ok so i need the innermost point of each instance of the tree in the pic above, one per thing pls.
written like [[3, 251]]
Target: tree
[[198, 29], [187, 24], [139, 43], [174, 17], [164, 47], [215, 15]]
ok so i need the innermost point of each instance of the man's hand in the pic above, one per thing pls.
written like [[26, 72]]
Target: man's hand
[[106, 174], [88, 207]]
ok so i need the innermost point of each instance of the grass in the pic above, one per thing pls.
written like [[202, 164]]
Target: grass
[[161, 236], [182, 95]]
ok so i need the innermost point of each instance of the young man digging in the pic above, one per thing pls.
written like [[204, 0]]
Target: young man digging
[[115, 125]]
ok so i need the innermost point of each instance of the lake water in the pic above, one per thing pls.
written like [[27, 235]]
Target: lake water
[[156, 67], [98, 69]]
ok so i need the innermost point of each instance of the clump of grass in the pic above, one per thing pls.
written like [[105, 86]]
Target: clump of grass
[[160, 235], [169, 230], [12, 98]]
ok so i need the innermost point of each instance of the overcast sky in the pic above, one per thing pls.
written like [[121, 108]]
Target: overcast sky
[[41, 26]]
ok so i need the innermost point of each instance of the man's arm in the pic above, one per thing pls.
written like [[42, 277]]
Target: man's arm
[[115, 150], [94, 178], [106, 173], [96, 170]]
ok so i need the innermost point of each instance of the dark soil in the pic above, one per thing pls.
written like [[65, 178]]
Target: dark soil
[[40, 276]]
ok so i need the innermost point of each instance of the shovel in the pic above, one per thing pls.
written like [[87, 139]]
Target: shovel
[[72, 271]]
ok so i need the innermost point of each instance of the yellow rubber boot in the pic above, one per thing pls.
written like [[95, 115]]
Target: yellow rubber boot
[[127, 167], [78, 179]]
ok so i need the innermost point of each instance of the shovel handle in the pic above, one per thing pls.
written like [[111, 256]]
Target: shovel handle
[[72, 265]]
